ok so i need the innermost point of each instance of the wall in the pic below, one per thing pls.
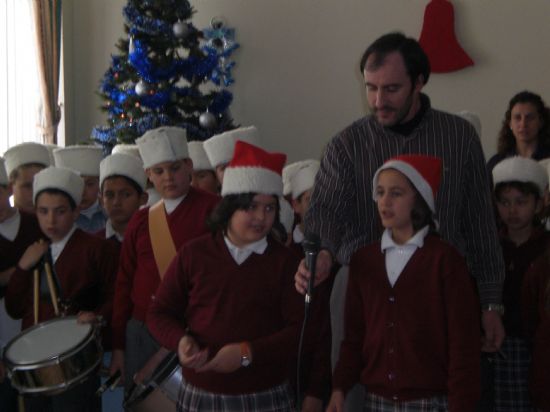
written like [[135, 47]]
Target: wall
[[296, 75]]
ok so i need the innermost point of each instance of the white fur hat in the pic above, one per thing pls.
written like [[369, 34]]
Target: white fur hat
[[286, 214], [219, 148], [123, 164], [3, 174], [51, 147], [253, 170], [84, 159], [521, 169], [198, 156], [473, 119], [60, 178], [163, 144], [304, 178], [26, 153], [288, 172], [131, 149]]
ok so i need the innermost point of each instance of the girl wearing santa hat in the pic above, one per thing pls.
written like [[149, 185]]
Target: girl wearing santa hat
[[412, 334], [227, 303]]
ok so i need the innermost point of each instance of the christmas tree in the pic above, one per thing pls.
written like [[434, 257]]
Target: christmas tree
[[167, 73]]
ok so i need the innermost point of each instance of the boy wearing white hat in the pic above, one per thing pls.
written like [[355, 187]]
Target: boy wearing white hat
[[122, 182], [151, 240], [23, 161], [85, 160], [84, 267], [204, 176], [519, 186], [220, 148]]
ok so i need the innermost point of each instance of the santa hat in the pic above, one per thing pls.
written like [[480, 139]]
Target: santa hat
[[164, 144], [219, 148], [3, 175], [59, 178], [473, 119], [286, 214], [123, 164], [24, 154], [198, 156], [521, 169], [131, 149], [304, 178], [84, 159], [253, 170], [423, 171], [289, 171]]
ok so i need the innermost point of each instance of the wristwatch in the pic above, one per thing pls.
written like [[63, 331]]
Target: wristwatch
[[495, 307], [246, 358]]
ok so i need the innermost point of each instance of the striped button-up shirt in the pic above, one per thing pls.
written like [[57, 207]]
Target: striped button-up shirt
[[342, 210]]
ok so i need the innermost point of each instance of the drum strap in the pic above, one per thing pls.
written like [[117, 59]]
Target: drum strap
[[162, 242]]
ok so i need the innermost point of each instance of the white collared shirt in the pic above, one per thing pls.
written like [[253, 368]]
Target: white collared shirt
[[297, 235], [241, 254], [110, 231], [91, 210], [397, 256], [9, 228], [171, 204], [57, 247]]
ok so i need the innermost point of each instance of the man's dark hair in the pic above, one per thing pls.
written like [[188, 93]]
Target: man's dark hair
[[416, 60]]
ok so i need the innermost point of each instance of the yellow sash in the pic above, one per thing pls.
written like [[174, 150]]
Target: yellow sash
[[161, 238]]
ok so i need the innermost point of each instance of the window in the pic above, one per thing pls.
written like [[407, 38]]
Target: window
[[19, 87]]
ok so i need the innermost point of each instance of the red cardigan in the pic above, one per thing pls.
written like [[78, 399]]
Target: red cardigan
[[420, 338], [221, 302], [138, 277]]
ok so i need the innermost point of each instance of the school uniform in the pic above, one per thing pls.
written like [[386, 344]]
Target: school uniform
[[418, 340], [92, 219], [219, 301]]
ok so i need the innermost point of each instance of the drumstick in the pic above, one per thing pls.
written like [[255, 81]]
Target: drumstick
[[52, 287], [36, 296]]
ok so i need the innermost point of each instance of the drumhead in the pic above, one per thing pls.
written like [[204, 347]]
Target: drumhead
[[47, 340]]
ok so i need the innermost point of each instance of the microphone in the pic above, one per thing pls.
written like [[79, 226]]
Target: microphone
[[311, 246]]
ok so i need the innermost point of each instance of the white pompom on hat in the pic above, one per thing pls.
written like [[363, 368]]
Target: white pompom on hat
[[521, 169], [24, 154], [131, 149], [60, 178], [198, 156], [3, 174], [286, 214], [473, 119], [123, 164], [84, 159], [253, 170], [304, 178], [219, 148], [163, 144], [423, 171]]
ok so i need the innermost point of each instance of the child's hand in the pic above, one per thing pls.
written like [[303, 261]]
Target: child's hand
[[86, 317], [32, 255], [336, 403], [312, 404], [227, 360], [117, 364], [189, 353]]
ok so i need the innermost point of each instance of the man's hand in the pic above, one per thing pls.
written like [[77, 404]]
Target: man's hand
[[117, 364], [336, 403], [227, 360], [189, 353], [323, 266], [494, 331]]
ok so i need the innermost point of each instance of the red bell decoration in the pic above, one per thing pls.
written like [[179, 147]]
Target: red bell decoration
[[439, 41]]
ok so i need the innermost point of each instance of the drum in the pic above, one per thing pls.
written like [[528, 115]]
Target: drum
[[53, 356], [160, 392]]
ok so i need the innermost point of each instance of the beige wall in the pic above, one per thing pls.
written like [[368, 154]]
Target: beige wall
[[296, 74]]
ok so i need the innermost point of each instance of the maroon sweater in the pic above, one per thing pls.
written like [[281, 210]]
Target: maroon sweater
[[221, 302], [138, 277], [420, 338], [86, 272], [536, 314]]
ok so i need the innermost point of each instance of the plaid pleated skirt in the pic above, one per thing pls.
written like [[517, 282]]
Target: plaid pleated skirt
[[277, 399], [375, 403], [512, 377]]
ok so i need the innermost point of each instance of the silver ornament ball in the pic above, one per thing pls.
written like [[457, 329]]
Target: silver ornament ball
[[207, 120], [142, 88], [180, 29]]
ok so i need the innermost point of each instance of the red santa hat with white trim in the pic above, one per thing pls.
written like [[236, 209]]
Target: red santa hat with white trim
[[424, 172], [253, 170]]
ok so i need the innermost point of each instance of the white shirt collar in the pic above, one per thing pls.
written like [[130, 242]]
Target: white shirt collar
[[416, 241], [297, 235], [57, 247], [93, 209], [241, 254], [9, 228], [171, 204], [110, 231]]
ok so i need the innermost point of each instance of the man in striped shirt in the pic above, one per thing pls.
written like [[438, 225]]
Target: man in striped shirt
[[342, 210]]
